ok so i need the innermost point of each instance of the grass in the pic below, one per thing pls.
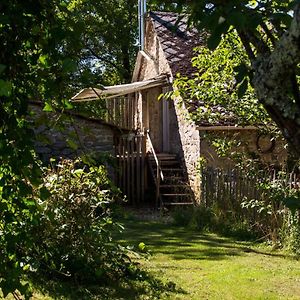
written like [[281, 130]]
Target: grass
[[185, 264], [209, 266]]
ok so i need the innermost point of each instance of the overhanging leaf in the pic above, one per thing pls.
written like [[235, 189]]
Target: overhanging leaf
[[48, 107], [44, 193], [242, 71], [72, 144], [69, 65], [2, 68], [5, 88]]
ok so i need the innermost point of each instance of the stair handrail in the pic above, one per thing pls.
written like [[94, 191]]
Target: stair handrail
[[159, 173]]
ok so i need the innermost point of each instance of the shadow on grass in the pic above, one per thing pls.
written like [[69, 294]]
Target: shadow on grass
[[131, 289], [183, 243]]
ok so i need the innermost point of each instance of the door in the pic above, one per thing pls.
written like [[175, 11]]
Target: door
[[165, 123]]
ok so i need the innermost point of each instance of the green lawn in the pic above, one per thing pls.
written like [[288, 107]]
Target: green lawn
[[188, 265], [208, 266]]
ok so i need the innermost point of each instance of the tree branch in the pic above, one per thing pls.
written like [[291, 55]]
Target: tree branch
[[104, 59], [295, 88], [247, 45], [269, 34], [260, 46]]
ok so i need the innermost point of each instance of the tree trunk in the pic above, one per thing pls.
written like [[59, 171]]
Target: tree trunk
[[126, 63], [275, 84]]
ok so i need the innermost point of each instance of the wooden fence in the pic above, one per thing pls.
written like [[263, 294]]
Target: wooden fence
[[235, 185], [227, 186], [227, 189], [131, 175]]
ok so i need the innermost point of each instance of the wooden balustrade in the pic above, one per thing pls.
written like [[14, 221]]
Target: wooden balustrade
[[120, 111], [131, 175]]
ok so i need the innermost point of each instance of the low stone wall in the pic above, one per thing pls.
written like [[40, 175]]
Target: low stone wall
[[251, 143], [70, 135]]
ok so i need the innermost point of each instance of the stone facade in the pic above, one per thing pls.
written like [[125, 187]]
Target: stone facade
[[184, 139], [189, 142]]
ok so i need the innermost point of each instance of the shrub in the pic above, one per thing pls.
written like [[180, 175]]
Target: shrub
[[203, 218], [290, 232], [76, 225], [182, 216], [198, 217]]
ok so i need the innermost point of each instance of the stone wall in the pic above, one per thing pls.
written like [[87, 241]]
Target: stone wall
[[185, 142], [251, 142], [71, 136]]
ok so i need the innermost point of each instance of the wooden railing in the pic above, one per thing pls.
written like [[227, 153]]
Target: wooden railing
[[120, 111], [159, 173], [131, 175]]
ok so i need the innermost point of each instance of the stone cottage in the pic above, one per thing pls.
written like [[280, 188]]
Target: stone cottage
[[168, 49], [174, 142]]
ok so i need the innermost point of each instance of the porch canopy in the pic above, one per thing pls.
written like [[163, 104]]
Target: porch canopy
[[91, 94]]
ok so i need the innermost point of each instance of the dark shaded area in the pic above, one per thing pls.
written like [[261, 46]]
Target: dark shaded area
[[141, 284], [180, 243]]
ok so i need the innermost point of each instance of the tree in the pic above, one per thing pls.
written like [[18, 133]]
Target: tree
[[270, 33], [109, 37], [214, 87], [41, 59]]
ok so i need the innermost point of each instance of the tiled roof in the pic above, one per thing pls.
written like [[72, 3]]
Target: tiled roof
[[177, 40]]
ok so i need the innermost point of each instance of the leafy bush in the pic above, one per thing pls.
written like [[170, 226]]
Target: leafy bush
[[290, 232], [76, 225], [213, 219], [198, 217], [203, 218], [71, 235], [182, 216]]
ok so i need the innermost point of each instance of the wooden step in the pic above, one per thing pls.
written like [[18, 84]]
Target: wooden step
[[177, 203], [163, 157], [172, 178], [176, 195], [172, 169], [166, 163], [169, 163], [174, 186], [166, 155]]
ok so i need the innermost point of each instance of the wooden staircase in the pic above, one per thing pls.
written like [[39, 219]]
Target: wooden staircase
[[173, 187]]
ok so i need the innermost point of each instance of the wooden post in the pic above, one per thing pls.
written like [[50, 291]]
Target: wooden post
[[144, 170], [138, 169]]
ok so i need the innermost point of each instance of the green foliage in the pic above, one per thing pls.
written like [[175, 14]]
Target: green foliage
[[213, 219], [40, 60], [76, 225], [218, 89], [182, 216], [69, 232], [218, 17], [202, 218], [109, 37], [290, 232]]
